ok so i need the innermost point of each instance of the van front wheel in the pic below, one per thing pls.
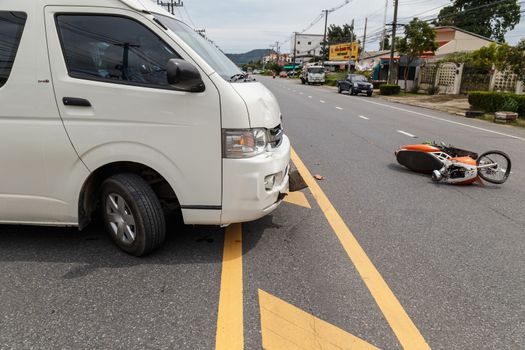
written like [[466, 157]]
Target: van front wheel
[[132, 214]]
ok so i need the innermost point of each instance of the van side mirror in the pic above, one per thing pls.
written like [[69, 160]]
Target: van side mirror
[[184, 76]]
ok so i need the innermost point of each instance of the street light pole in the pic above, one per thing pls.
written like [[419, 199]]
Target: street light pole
[[392, 48]]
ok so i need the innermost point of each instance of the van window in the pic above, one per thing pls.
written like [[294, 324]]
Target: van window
[[11, 28], [113, 48], [208, 52]]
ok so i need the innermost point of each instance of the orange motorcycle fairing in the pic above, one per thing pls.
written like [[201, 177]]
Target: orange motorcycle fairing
[[421, 148]]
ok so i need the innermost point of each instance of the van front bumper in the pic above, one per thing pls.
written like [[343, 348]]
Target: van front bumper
[[245, 197]]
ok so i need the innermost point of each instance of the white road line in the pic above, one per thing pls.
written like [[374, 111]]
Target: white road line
[[339, 108], [322, 101], [301, 93], [407, 134], [446, 120], [363, 117], [310, 96]]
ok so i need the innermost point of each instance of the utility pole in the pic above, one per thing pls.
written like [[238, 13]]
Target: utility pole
[[391, 78], [269, 56], [364, 37], [324, 40], [202, 32], [294, 48], [350, 48], [170, 5], [384, 27]]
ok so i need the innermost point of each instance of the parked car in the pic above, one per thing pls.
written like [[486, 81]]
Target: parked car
[[129, 112], [355, 84], [283, 74]]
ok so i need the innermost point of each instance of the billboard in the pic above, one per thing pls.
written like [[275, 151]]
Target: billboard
[[341, 52]]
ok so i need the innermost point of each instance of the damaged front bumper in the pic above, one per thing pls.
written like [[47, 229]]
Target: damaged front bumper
[[254, 187]]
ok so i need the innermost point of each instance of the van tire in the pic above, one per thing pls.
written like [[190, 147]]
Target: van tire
[[130, 205]]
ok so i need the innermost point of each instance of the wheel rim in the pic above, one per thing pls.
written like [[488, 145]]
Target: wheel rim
[[120, 219], [497, 172]]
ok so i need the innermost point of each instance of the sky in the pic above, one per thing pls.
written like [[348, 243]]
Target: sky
[[238, 26]]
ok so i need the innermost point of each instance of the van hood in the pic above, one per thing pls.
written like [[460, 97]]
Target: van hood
[[263, 109]]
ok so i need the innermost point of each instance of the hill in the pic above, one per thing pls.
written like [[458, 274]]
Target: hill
[[253, 55]]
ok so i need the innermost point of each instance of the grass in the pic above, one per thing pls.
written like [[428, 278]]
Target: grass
[[490, 118], [332, 78]]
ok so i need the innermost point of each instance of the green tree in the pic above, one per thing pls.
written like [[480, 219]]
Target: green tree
[[419, 38], [253, 65], [489, 18], [272, 66], [486, 57], [511, 59]]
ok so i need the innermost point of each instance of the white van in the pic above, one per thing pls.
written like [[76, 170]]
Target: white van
[[117, 105]]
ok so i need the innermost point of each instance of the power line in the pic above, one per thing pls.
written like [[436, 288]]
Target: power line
[[188, 15]]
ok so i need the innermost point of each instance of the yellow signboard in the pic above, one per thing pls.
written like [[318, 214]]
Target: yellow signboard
[[341, 52]]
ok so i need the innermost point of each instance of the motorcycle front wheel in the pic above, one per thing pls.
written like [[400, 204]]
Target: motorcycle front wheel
[[494, 166]]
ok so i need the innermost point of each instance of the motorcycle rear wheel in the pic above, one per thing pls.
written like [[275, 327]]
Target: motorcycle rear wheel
[[497, 174]]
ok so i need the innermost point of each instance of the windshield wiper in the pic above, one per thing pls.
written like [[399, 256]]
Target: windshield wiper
[[238, 77]]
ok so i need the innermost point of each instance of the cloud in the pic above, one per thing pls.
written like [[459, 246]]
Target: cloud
[[241, 25]]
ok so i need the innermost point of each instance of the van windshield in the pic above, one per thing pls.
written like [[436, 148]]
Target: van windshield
[[213, 56]]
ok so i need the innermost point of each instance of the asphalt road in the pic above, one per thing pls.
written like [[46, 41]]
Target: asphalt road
[[451, 256]]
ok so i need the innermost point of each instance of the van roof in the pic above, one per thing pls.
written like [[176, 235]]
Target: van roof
[[146, 5], [136, 5]]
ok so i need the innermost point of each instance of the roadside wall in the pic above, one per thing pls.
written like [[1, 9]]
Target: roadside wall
[[454, 79]]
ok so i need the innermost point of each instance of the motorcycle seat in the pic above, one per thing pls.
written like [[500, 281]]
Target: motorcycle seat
[[418, 161]]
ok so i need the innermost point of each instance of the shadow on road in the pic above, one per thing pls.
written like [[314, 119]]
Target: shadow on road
[[93, 249], [401, 169]]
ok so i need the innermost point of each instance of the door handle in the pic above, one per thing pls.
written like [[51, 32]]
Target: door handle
[[73, 101]]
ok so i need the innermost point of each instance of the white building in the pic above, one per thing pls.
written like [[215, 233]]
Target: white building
[[452, 39], [306, 46]]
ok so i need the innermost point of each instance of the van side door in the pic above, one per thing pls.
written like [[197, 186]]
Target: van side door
[[39, 169], [109, 68]]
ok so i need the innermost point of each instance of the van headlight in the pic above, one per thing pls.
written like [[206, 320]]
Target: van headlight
[[244, 143]]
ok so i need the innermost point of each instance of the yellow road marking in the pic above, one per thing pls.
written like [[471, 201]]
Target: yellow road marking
[[297, 198], [286, 327], [230, 327], [406, 332]]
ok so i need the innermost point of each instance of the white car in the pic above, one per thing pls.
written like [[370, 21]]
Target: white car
[[118, 105]]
